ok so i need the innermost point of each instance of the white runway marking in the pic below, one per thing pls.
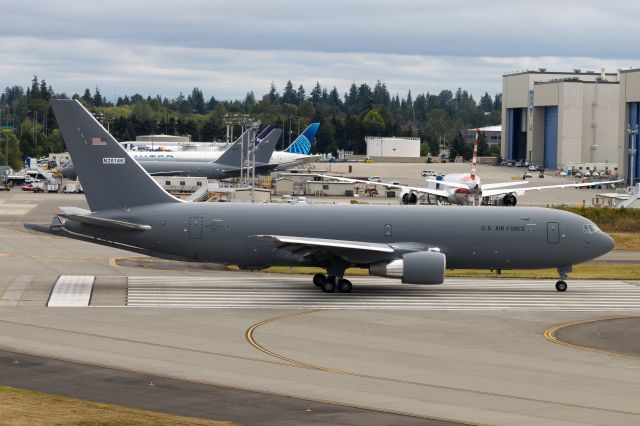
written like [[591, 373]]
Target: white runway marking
[[71, 290], [285, 292]]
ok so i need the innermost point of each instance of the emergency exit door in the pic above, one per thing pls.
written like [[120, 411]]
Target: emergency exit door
[[195, 227], [553, 233]]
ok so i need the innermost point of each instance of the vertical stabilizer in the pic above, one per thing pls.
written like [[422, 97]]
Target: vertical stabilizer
[[474, 161], [267, 146], [263, 134], [303, 143], [233, 155], [111, 179]]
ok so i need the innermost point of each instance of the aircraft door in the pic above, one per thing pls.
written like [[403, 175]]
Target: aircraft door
[[195, 227], [553, 232]]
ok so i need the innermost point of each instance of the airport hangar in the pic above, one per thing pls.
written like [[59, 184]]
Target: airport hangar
[[565, 120]]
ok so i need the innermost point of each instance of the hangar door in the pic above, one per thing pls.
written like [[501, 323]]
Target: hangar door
[[634, 120], [551, 137], [517, 134]]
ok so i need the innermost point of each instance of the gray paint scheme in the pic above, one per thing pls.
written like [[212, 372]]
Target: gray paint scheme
[[260, 235], [226, 166]]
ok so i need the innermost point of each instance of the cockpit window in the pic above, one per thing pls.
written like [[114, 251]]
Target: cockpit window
[[590, 228]]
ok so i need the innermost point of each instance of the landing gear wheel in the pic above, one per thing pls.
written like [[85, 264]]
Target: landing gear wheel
[[318, 279], [328, 286], [345, 286], [561, 286]]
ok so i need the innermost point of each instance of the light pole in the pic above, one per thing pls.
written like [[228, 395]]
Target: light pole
[[6, 149], [633, 132]]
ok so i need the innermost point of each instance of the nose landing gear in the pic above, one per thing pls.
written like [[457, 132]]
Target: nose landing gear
[[561, 285]]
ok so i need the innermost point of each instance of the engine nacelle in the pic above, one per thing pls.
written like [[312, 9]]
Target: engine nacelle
[[423, 267], [509, 200], [409, 198]]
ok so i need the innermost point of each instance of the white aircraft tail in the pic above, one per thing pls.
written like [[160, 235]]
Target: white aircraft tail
[[474, 161]]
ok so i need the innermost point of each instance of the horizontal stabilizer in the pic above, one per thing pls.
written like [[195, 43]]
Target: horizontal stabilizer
[[105, 223]]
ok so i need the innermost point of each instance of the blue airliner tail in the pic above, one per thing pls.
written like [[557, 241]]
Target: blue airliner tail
[[303, 143]]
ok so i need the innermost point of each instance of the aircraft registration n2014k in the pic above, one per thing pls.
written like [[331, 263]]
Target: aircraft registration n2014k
[[416, 244]]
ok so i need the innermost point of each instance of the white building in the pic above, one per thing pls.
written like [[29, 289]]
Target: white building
[[493, 134], [392, 147]]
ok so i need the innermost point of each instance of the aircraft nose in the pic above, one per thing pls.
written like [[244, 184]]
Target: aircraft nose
[[605, 243]]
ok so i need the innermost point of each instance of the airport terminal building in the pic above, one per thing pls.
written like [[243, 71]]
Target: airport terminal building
[[565, 120]]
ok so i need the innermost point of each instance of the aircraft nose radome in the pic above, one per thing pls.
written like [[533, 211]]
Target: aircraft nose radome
[[605, 243]]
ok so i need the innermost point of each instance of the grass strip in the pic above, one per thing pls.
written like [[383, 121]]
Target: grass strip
[[25, 407]]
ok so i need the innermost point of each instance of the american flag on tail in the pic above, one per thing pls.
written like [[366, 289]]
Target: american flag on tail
[[98, 141]]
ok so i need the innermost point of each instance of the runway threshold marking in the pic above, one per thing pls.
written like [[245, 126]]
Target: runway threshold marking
[[296, 363], [550, 335]]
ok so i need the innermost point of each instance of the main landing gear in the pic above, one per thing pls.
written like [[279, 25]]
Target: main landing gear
[[329, 283]]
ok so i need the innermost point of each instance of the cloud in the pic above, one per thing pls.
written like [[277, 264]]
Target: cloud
[[118, 68], [423, 27], [228, 48]]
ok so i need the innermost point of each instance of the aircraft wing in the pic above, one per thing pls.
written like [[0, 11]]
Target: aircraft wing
[[501, 185], [404, 188], [321, 248], [521, 191]]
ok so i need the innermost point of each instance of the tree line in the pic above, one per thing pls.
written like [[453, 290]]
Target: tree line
[[29, 125]]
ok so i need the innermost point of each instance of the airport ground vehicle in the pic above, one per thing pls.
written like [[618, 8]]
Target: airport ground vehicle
[[375, 179]]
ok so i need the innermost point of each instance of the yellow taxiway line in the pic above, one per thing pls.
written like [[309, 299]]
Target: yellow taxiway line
[[296, 363], [550, 335]]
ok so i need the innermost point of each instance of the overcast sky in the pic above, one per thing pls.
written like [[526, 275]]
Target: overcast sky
[[230, 47]]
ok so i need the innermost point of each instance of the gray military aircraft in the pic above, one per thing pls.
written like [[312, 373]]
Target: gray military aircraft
[[131, 211], [225, 166]]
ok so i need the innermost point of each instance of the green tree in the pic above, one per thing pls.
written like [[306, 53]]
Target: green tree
[[9, 145], [373, 123], [483, 146], [87, 98], [289, 95], [456, 146], [486, 103]]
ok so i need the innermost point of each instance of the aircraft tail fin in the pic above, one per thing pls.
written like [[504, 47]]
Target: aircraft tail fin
[[474, 161], [232, 156], [111, 179], [303, 143], [267, 146], [263, 134]]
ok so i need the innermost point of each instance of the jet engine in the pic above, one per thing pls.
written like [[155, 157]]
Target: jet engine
[[422, 267], [409, 198], [509, 200]]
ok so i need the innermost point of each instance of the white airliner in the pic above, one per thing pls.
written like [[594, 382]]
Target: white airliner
[[295, 154], [466, 188]]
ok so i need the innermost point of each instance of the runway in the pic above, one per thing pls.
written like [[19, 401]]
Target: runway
[[471, 350], [269, 291]]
